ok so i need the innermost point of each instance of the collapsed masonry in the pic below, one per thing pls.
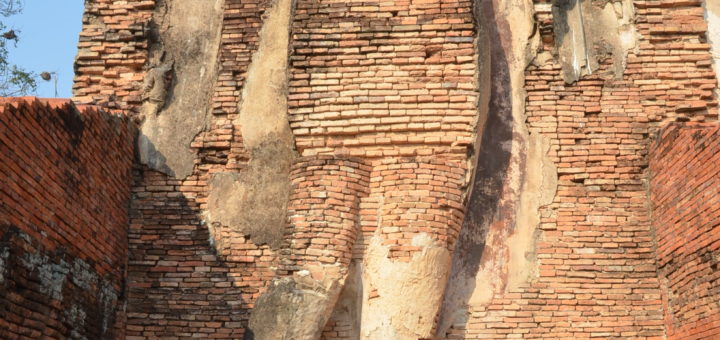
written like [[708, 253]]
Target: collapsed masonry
[[318, 169]]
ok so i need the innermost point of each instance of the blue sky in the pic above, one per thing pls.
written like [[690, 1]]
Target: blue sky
[[48, 31]]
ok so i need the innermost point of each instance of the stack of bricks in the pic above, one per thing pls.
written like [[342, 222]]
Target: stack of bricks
[[63, 219], [324, 210], [338, 330], [596, 261], [685, 188], [112, 51], [383, 79]]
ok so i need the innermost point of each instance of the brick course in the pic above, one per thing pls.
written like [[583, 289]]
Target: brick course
[[383, 79]]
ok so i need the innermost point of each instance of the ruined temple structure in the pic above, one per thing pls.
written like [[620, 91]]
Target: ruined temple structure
[[378, 170]]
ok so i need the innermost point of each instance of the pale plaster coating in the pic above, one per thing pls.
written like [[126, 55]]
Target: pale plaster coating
[[188, 35], [401, 299], [479, 268], [263, 108], [538, 190], [254, 201], [589, 31]]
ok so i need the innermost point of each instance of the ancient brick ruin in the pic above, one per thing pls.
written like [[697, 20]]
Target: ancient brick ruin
[[407, 169]]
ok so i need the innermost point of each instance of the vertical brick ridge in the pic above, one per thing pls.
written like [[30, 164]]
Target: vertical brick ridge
[[242, 22], [395, 84], [189, 276]]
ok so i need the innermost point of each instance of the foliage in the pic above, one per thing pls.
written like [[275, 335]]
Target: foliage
[[14, 81]]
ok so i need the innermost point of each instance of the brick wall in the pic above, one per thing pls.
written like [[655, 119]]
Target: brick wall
[[63, 219], [383, 79], [595, 252], [112, 51], [177, 283], [395, 85], [685, 191]]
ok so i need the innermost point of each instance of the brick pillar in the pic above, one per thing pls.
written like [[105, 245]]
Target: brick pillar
[[407, 263], [323, 227]]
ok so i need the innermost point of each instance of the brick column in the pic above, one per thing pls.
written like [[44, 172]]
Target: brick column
[[323, 226], [407, 262]]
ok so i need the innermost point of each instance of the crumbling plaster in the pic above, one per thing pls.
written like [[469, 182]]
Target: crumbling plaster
[[187, 34], [588, 31], [405, 295], [254, 200], [496, 248]]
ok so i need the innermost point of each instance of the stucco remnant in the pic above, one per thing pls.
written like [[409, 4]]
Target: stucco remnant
[[186, 33], [263, 110], [155, 88], [538, 189], [479, 264], [296, 307], [589, 31], [388, 313], [254, 200]]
